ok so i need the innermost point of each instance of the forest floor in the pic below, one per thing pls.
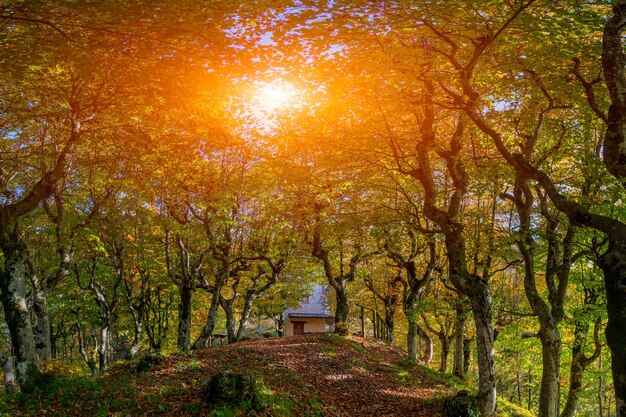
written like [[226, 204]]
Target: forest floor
[[310, 375]]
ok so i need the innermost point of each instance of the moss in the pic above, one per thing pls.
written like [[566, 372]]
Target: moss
[[339, 340], [461, 405], [508, 409], [148, 361]]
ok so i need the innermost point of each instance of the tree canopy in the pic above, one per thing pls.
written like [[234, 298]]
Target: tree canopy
[[174, 173]]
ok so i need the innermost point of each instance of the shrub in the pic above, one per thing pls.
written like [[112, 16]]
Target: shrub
[[462, 405], [230, 388], [148, 361]]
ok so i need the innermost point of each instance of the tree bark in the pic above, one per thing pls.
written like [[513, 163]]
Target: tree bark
[[88, 358], [428, 350], [279, 325], [549, 313], [17, 259], [137, 298], [412, 289], [389, 298], [600, 388], [613, 264], [549, 392], [186, 278], [481, 308], [136, 345], [411, 339], [473, 286], [13, 294], [614, 152], [227, 306], [444, 341], [342, 309], [245, 314], [103, 347], [579, 363], [42, 335], [10, 382], [445, 352], [467, 354], [157, 316], [458, 368], [209, 325], [184, 318]]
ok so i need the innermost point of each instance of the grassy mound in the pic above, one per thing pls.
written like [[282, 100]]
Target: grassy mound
[[310, 375]]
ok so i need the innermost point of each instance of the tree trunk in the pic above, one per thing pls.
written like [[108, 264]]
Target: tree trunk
[[280, 325], [342, 309], [103, 347], [157, 319], [184, 318], [13, 295], [445, 352], [613, 264], [467, 354], [43, 340], [409, 310], [390, 313], [479, 294], [245, 315], [227, 306], [88, 358], [134, 347], [209, 325], [549, 395], [411, 339], [575, 387], [8, 365], [458, 368], [391, 304], [423, 334], [600, 388], [481, 308], [579, 360]]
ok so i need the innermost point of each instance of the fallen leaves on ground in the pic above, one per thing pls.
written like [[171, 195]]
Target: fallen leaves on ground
[[339, 376]]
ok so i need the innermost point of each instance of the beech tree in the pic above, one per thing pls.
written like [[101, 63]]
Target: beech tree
[[468, 96], [442, 157], [414, 284]]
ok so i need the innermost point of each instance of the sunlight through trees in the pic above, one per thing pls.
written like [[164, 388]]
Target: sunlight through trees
[[448, 175]]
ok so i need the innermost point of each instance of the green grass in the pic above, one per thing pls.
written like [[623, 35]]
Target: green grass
[[508, 409], [193, 363], [403, 376], [54, 393], [335, 339], [170, 388], [505, 408], [445, 379], [329, 352], [269, 403]]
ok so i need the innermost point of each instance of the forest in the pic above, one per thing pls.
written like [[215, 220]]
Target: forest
[[178, 174]]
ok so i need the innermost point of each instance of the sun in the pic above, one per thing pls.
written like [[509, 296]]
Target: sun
[[271, 97]]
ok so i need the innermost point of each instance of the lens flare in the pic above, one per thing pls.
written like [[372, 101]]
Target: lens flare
[[272, 97]]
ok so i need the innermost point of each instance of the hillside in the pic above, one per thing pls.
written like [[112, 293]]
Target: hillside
[[310, 375], [317, 374]]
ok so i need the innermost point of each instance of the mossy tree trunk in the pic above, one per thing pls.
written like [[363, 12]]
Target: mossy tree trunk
[[13, 290]]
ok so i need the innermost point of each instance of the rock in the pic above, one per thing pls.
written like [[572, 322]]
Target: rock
[[148, 361], [230, 388]]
